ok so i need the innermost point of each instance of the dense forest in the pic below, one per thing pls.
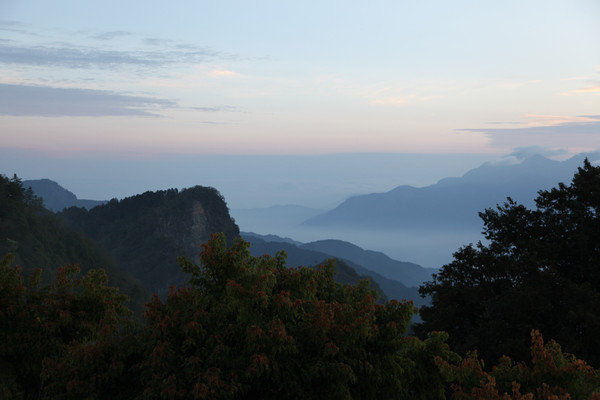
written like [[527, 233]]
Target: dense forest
[[146, 233], [38, 239], [246, 327]]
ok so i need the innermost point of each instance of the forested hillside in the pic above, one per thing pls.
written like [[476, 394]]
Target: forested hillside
[[39, 239], [146, 233]]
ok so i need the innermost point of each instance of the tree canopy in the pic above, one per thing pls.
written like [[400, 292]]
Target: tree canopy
[[539, 269], [258, 329], [247, 328], [39, 324]]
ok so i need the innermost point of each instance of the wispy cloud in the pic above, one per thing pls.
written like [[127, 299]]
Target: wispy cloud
[[88, 57], [549, 124], [216, 109], [23, 100], [17, 28], [218, 122], [75, 50], [580, 133], [4, 22], [521, 153], [111, 35], [222, 72], [593, 89], [151, 41], [552, 120]]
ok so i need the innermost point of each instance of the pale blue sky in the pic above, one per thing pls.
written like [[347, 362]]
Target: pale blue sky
[[141, 79]]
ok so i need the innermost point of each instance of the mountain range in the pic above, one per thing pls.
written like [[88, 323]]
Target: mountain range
[[452, 203], [425, 225], [308, 255], [144, 235], [410, 274]]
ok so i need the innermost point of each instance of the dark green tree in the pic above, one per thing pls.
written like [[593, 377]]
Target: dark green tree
[[550, 374], [39, 324], [249, 327], [540, 269]]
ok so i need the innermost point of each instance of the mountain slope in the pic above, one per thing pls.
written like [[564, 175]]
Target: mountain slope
[[297, 255], [407, 273], [55, 197], [146, 233], [39, 238], [452, 203]]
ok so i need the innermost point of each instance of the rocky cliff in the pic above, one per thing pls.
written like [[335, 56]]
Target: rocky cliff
[[145, 234]]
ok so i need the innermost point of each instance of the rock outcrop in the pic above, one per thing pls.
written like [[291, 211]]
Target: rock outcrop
[[146, 233]]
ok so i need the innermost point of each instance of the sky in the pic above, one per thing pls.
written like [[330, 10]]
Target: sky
[[138, 95]]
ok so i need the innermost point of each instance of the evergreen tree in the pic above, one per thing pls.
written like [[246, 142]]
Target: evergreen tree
[[539, 270]]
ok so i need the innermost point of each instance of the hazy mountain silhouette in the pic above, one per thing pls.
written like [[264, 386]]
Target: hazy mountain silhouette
[[407, 273], [55, 197], [272, 238], [452, 203], [299, 255]]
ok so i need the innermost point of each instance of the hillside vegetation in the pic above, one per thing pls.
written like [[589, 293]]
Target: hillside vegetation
[[247, 327], [146, 233], [39, 239]]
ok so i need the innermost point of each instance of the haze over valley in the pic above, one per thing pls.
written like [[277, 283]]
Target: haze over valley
[[424, 225]]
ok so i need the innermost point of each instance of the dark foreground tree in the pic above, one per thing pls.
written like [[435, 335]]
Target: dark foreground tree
[[550, 375], [244, 328], [249, 327], [39, 324], [539, 270]]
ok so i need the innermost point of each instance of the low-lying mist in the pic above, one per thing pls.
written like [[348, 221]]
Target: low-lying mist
[[428, 248]]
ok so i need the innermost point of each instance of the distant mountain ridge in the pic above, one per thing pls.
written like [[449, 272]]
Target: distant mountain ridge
[[307, 254], [409, 274], [452, 203], [56, 198]]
